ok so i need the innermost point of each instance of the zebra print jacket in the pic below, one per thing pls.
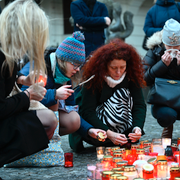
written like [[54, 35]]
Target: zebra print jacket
[[88, 101]]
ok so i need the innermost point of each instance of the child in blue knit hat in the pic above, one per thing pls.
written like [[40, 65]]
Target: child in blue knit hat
[[62, 65]]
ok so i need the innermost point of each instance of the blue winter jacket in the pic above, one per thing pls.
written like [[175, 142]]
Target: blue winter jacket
[[50, 100], [93, 23], [159, 14]]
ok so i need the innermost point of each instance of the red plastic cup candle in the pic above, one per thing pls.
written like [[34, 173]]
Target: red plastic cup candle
[[42, 79], [130, 158], [68, 157], [148, 171]]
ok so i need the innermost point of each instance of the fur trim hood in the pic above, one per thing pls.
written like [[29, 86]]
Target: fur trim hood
[[154, 40]]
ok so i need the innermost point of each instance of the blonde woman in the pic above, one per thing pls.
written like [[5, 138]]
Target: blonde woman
[[23, 29]]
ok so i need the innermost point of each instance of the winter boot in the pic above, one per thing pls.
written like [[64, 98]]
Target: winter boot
[[167, 132]]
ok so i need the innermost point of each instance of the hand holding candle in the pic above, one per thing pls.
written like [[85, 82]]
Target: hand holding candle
[[37, 91]]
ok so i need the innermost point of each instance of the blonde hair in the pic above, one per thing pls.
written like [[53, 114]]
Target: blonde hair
[[24, 31]]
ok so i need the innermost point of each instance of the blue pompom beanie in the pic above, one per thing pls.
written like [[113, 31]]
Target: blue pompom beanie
[[72, 49]]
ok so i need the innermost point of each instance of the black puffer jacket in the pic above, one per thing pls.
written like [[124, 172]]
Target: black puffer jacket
[[154, 66]]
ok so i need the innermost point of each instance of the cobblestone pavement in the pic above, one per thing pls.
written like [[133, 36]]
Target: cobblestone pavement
[[78, 172]]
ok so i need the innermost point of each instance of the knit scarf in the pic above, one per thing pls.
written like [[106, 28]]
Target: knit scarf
[[112, 83], [59, 77]]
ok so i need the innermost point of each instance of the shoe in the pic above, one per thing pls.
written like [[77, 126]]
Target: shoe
[[167, 132]]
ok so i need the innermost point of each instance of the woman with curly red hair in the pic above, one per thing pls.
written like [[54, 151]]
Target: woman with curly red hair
[[113, 99]]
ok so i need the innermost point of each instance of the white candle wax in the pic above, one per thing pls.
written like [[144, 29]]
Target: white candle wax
[[100, 156], [131, 175], [91, 171], [166, 142]]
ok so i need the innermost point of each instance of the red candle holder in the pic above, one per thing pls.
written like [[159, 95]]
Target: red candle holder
[[68, 158], [130, 158]]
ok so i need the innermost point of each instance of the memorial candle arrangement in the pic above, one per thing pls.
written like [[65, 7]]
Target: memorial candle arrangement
[[145, 161]]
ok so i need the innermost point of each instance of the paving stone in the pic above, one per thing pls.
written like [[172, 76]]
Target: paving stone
[[79, 171]]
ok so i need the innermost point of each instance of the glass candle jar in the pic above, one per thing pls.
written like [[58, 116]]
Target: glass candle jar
[[115, 148], [116, 160], [114, 176], [108, 159], [119, 172], [156, 146], [122, 178], [98, 171], [91, 171], [115, 154], [162, 169], [100, 152], [140, 151], [68, 158], [135, 146], [148, 171], [118, 169], [122, 164], [166, 142], [147, 150], [145, 144], [153, 161], [174, 172], [108, 151], [131, 172], [106, 175]]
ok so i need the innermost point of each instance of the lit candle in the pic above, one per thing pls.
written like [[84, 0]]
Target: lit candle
[[100, 152], [68, 157], [42, 79], [166, 142], [148, 171], [162, 169], [130, 172]]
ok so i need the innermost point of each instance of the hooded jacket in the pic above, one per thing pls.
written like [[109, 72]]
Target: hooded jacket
[[159, 14], [154, 66]]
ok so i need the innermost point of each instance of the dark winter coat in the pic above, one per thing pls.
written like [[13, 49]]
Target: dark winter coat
[[159, 14], [21, 132], [93, 23], [154, 66]]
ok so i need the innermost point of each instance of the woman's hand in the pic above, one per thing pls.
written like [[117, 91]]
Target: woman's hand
[[36, 91], [94, 133], [178, 58], [166, 58], [64, 92], [28, 80], [116, 138], [135, 136]]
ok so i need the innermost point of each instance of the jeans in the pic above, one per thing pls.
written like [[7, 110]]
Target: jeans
[[165, 116]]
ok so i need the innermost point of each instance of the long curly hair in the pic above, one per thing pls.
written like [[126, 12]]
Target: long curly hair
[[117, 49]]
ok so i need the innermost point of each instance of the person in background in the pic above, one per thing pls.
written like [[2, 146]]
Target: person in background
[[63, 65], [91, 18], [164, 10], [158, 62], [113, 99], [23, 28]]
